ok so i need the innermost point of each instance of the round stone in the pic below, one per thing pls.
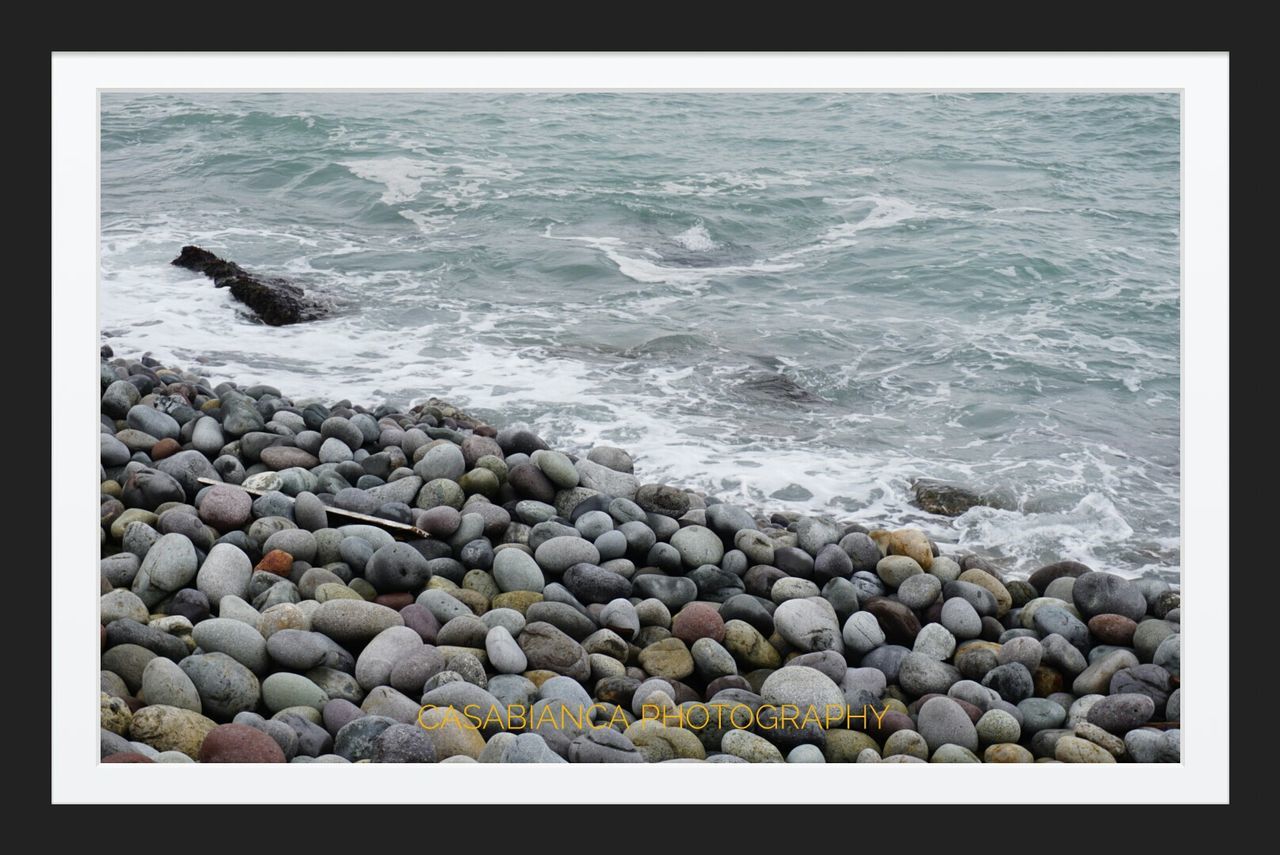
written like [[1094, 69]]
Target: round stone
[[698, 545], [806, 689], [809, 625], [942, 721], [1122, 713], [239, 743], [997, 726], [896, 569], [163, 682], [935, 642], [560, 553], [225, 686], [516, 570], [1106, 593], [919, 591], [961, 619], [862, 633], [225, 507]]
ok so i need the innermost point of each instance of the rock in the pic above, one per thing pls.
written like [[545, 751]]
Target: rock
[[355, 740], [1051, 620], [749, 747], [120, 604], [614, 458], [1105, 593], [813, 533], [673, 592], [698, 620], [403, 743], [164, 683], [558, 468], [353, 620], [747, 645], [226, 571], [1096, 679], [1113, 629], [951, 500], [1040, 714], [900, 624], [862, 633], [669, 658], [380, 655], [167, 728], [1169, 654], [1098, 736], [1062, 655], [923, 675], [1012, 681], [225, 686], [284, 690], [1007, 753], [114, 713], [806, 754], [1122, 713], [698, 545], [547, 648], [808, 690], [1150, 680], [1073, 749], [997, 726], [275, 301], [594, 476], [960, 619], [1147, 638], [239, 743], [953, 754], [603, 745], [505, 655], [920, 591], [896, 569], [662, 500], [170, 564], [238, 640], [592, 584], [225, 507], [809, 625], [560, 553], [936, 642], [913, 544], [1024, 650], [1041, 578], [862, 551], [942, 721], [451, 734]]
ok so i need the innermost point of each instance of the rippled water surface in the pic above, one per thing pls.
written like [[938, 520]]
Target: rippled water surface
[[795, 301]]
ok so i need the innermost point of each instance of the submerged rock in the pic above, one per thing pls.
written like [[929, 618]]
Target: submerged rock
[[952, 500]]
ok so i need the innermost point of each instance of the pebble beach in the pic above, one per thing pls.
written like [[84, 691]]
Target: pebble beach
[[513, 603]]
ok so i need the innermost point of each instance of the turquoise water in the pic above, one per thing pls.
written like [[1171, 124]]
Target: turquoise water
[[793, 300]]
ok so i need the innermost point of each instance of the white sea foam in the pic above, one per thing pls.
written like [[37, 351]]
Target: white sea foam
[[453, 180], [643, 270], [696, 239]]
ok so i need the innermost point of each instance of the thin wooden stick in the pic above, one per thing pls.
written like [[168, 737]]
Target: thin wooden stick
[[391, 525]]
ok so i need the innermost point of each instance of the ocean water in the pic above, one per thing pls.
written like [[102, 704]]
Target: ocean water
[[797, 301]]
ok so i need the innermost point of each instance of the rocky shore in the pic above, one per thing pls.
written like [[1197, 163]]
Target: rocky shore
[[556, 608]]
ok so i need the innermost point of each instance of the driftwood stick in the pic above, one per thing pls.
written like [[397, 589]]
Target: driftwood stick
[[390, 525]]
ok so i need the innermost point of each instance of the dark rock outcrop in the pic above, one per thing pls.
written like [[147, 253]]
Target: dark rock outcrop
[[951, 500], [275, 301]]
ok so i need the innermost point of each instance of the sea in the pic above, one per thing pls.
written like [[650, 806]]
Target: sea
[[795, 301]]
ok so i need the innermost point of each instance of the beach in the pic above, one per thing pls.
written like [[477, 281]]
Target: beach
[[497, 600]]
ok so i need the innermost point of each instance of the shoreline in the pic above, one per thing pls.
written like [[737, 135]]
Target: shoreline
[[243, 629]]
